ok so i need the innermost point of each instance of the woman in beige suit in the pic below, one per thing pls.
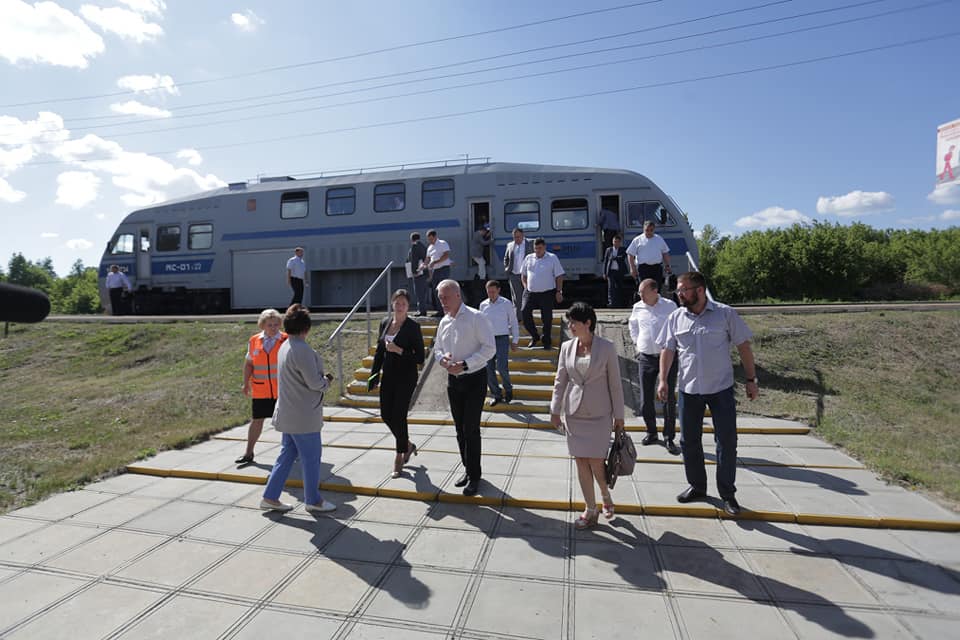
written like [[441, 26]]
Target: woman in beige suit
[[588, 396]]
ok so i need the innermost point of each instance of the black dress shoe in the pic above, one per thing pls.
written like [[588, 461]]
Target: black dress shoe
[[244, 459], [495, 402], [649, 439], [731, 506], [462, 482], [672, 447], [509, 398], [472, 487], [533, 342], [690, 494], [546, 346]]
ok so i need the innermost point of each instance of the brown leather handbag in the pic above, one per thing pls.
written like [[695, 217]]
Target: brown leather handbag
[[621, 458]]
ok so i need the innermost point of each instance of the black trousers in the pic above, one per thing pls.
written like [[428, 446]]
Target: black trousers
[[543, 300], [394, 405], [654, 271], [466, 394], [297, 285], [617, 287], [118, 306], [649, 372]]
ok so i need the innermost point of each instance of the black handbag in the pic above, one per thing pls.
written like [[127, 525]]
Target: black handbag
[[621, 458]]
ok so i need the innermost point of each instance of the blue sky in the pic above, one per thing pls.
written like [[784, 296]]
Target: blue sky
[[847, 139]]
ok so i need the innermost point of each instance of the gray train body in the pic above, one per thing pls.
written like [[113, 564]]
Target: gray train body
[[226, 249]]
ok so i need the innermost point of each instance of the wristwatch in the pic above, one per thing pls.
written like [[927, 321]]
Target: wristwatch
[[754, 380]]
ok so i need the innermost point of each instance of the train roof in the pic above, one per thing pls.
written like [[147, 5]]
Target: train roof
[[511, 171]]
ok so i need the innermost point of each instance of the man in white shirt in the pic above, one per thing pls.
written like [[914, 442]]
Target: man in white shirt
[[463, 346], [438, 264], [503, 319], [297, 275], [517, 250], [117, 284], [542, 278], [649, 255], [646, 320]]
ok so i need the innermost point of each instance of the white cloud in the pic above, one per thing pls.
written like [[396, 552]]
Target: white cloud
[[945, 195], [78, 244], [772, 217], [122, 22], [149, 84], [950, 214], [49, 234], [100, 216], [46, 33], [855, 203], [246, 21], [9, 194], [156, 7], [136, 108], [192, 156], [77, 189]]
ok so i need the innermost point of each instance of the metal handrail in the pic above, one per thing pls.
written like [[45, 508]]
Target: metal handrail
[[339, 331], [694, 267]]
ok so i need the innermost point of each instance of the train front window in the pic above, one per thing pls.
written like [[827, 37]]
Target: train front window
[[294, 204], [639, 213], [569, 214], [168, 238], [341, 201], [200, 236], [122, 244], [521, 215], [389, 197], [437, 194]]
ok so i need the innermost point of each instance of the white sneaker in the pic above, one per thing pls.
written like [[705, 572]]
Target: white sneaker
[[266, 505], [322, 507]]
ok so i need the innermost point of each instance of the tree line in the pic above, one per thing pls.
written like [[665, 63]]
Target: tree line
[[74, 293], [823, 261]]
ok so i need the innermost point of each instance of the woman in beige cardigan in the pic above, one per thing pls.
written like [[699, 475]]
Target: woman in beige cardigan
[[588, 402]]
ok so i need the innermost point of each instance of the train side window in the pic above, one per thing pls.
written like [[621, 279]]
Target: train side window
[[341, 201], [639, 212], [437, 194], [200, 236], [522, 215], [168, 238], [569, 214], [294, 204], [144, 241], [389, 197], [123, 243]]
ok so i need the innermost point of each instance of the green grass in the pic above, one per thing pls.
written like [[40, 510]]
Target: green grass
[[884, 386], [82, 400]]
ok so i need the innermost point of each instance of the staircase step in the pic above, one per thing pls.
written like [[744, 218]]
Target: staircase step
[[516, 364]]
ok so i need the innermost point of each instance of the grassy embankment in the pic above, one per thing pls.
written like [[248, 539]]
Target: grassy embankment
[[84, 400]]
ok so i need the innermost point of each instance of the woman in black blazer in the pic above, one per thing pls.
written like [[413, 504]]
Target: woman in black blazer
[[399, 352]]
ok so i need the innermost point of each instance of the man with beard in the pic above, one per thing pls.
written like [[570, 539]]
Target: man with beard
[[700, 334]]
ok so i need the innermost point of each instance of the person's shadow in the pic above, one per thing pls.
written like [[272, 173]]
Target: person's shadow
[[825, 480]]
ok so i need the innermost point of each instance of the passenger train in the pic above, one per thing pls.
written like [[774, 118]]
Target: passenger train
[[227, 249]]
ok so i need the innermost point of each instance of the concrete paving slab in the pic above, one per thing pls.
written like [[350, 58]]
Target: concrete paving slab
[[445, 549], [689, 532], [232, 526], [311, 586], [11, 528], [248, 573], [934, 546], [808, 579], [298, 533], [64, 505], [556, 468], [29, 592], [123, 483], [94, 610], [607, 563], [116, 511], [518, 608], [174, 517], [266, 623], [419, 595], [378, 632], [469, 517], [779, 536], [395, 511], [835, 622], [896, 502], [42, 544], [183, 616], [532, 556], [905, 584], [175, 562], [621, 615], [369, 541], [928, 626], [168, 487], [708, 619], [846, 541], [106, 553], [221, 492], [699, 569]]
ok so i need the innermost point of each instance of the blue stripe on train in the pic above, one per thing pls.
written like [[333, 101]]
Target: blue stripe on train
[[413, 225]]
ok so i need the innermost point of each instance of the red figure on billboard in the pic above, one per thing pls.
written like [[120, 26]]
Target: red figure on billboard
[[946, 163]]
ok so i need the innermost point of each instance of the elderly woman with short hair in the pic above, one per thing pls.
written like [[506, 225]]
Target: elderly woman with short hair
[[299, 415], [260, 375]]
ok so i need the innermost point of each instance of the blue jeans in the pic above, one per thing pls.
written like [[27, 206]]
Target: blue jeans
[[723, 408], [501, 363], [421, 293], [308, 447]]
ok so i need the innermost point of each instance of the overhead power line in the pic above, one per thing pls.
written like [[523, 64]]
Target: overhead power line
[[350, 56], [519, 105]]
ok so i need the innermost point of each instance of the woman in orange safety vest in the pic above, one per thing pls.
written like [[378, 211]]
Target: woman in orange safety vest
[[260, 375]]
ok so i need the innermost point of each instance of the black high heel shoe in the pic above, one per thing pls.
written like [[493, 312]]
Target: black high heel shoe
[[411, 451]]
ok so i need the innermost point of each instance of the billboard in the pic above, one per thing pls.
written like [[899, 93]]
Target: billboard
[[948, 153]]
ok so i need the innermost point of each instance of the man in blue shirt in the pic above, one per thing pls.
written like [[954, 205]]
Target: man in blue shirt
[[700, 334]]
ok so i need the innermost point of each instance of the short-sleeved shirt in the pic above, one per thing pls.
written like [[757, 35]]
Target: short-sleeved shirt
[[436, 250], [117, 280], [297, 267], [502, 316], [702, 344], [648, 250], [541, 273]]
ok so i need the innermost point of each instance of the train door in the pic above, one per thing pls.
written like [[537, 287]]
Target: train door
[[609, 217], [480, 255], [143, 258]]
